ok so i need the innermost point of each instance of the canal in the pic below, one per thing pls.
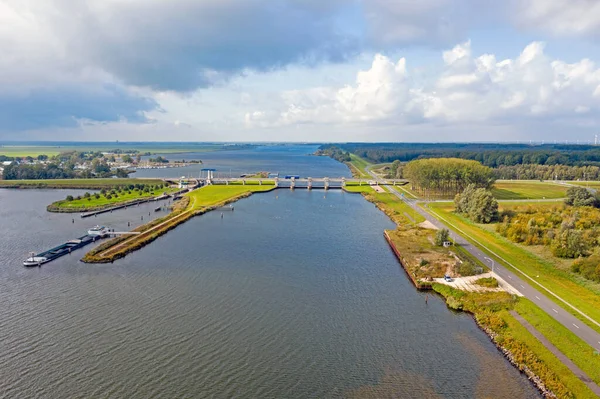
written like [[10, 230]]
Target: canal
[[295, 294]]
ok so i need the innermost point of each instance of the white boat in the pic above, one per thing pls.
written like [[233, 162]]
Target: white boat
[[98, 231], [35, 261]]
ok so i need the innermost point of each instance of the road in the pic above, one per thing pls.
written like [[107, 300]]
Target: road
[[521, 284]]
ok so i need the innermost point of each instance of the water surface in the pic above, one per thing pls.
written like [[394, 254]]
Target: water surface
[[294, 294]]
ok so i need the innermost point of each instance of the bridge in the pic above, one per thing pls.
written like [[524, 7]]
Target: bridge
[[294, 181]]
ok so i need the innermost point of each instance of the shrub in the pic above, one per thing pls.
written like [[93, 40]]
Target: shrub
[[441, 236], [108, 196], [69, 198], [489, 282], [86, 195]]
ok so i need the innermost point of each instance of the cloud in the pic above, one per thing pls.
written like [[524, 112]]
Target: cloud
[[182, 45], [529, 88], [70, 107], [559, 17]]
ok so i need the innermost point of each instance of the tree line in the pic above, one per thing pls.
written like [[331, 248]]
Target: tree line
[[547, 172], [446, 176], [492, 155]]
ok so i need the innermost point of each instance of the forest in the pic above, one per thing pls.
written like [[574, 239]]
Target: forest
[[446, 177], [492, 155]]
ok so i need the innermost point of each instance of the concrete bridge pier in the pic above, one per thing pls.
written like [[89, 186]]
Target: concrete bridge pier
[[326, 183], [276, 182], [293, 183], [343, 182], [310, 183]]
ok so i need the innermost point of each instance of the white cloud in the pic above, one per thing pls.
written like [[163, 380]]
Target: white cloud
[[468, 90], [559, 17]]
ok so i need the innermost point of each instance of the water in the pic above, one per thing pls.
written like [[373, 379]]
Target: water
[[285, 160], [295, 294]]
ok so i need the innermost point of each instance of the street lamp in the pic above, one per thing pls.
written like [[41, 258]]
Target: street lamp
[[492, 261]]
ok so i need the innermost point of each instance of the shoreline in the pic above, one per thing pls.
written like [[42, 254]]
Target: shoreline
[[120, 247], [533, 378]]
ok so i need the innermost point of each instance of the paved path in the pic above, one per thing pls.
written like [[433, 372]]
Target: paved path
[[468, 284], [565, 360], [525, 284]]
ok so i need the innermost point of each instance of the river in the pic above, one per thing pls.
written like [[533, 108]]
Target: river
[[292, 295]]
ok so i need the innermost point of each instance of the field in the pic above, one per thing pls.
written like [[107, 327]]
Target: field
[[578, 292], [522, 190], [591, 184], [91, 184]]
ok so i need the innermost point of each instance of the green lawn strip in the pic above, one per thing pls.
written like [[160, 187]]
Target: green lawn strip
[[214, 194], [507, 190], [593, 184], [266, 182], [561, 283], [491, 311], [359, 166], [404, 189], [529, 351], [394, 207], [96, 203], [90, 184], [355, 188], [582, 354]]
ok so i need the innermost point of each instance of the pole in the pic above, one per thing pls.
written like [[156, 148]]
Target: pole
[[492, 261]]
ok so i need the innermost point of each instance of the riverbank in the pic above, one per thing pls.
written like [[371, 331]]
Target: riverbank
[[491, 311], [194, 203], [89, 184]]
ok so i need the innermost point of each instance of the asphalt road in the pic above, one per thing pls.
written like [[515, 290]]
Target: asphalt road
[[519, 283], [523, 284]]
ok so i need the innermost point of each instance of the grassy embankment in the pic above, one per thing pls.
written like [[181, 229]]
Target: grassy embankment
[[90, 184], [492, 313], [577, 291], [358, 167], [194, 203], [93, 203]]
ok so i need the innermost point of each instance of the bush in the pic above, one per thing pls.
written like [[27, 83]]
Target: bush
[[69, 198], [489, 282], [86, 195], [108, 196], [97, 196], [580, 196], [588, 267], [441, 236]]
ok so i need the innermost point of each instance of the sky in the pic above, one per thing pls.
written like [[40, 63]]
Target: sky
[[300, 70]]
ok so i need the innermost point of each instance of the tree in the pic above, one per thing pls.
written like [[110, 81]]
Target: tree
[[478, 204], [69, 198], [579, 196], [570, 243], [127, 158], [441, 236]]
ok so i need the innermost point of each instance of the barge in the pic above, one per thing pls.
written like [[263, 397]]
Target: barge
[[66, 248]]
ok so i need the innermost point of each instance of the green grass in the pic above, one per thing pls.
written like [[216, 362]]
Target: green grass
[[560, 282], [592, 184], [359, 167], [212, 195], [520, 190], [103, 202], [34, 151], [76, 183], [492, 312], [583, 355], [528, 350], [355, 188]]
